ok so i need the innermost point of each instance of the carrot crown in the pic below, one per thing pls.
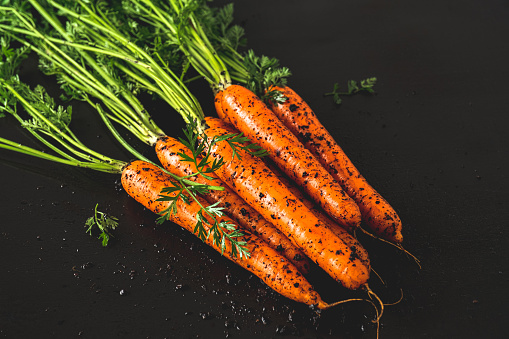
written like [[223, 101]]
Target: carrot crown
[[177, 23]]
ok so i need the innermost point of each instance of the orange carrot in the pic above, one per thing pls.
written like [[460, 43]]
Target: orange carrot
[[302, 121], [168, 149], [213, 122], [244, 110], [308, 203], [216, 122], [144, 182], [218, 104], [343, 257]]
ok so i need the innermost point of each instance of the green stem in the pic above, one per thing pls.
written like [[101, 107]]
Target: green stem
[[82, 79], [176, 93], [115, 166], [37, 115], [119, 138]]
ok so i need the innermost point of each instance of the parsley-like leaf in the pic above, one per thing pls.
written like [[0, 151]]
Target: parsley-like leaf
[[353, 87], [186, 189], [265, 73], [104, 223]]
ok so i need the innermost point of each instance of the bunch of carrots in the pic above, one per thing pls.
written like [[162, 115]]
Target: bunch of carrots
[[264, 184]]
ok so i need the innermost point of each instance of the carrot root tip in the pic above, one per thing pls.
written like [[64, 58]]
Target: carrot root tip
[[398, 246], [372, 295]]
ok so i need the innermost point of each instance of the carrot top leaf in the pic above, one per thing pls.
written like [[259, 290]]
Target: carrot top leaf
[[10, 58], [353, 87], [264, 73], [207, 223], [104, 223], [258, 74], [218, 22], [50, 125], [239, 141], [186, 190]]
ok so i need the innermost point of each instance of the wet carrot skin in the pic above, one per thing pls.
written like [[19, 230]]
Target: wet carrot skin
[[247, 113], [218, 99], [144, 182], [343, 258], [308, 203], [213, 122], [167, 150], [378, 214], [217, 122]]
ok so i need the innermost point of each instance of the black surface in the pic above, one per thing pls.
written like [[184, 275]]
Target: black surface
[[432, 141]]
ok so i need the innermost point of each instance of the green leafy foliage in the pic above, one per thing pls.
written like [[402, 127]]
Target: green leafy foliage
[[43, 118], [140, 27], [240, 142], [46, 115], [167, 194], [10, 57], [41, 101], [353, 87], [207, 224], [10, 60], [201, 152], [259, 74], [264, 73], [104, 223], [219, 26]]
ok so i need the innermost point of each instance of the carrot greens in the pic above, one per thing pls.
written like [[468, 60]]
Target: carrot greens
[[105, 223], [86, 74], [353, 87]]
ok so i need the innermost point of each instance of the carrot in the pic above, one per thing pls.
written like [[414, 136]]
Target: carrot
[[244, 110], [168, 149], [343, 258], [144, 182], [218, 104], [216, 122], [302, 198], [378, 214]]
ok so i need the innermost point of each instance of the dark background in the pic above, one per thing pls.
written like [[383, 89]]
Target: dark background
[[432, 141]]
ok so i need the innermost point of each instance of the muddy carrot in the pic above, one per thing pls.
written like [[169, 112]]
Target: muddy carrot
[[144, 182], [217, 122], [378, 214], [342, 258], [168, 150], [244, 110]]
